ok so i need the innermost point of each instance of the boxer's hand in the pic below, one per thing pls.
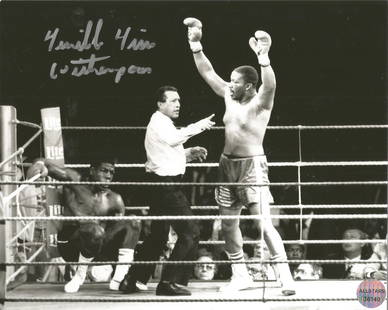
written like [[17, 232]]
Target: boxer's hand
[[37, 167], [206, 123], [261, 44], [380, 275], [194, 33], [198, 153]]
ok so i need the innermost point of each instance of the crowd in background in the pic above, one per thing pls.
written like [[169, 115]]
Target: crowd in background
[[31, 201]]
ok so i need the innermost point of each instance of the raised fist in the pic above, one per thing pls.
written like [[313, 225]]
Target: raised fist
[[194, 33], [260, 44]]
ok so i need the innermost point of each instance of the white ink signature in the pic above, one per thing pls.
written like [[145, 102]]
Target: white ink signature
[[90, 39], [82, 67], [78, 45], [135, 44]]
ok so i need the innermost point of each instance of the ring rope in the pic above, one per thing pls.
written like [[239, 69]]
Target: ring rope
[[12, 156], [23, 185], [323, 206], [21, 149], [215, 242], [270, 164], [21, 232], [27, 124], [299, 241], [8, 173], [32, 139], [29, 206], [297, 164], [194, 262], [254, 242], [214, 207], [298, 127], [327, 183], [26, 263], [194, 217], [177, 299], [27, 244]]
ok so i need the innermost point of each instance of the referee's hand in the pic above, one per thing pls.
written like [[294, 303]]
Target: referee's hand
[[198, 153]]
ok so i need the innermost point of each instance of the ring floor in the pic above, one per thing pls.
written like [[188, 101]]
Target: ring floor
[[201, 290]]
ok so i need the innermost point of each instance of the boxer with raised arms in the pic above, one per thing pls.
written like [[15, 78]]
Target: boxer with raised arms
[[247, 113]]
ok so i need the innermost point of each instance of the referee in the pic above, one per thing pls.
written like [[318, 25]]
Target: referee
[[166, 162]]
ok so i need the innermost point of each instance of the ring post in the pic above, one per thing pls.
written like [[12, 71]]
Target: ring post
[[3, 269], [8, 146]]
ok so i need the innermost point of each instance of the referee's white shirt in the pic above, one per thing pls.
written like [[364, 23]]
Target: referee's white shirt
[[164, 145]]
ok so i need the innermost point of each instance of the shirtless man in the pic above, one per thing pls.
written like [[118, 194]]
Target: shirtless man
[[246, 117], [85, 241]]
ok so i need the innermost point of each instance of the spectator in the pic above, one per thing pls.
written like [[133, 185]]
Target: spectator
[[205, 271], [350, 252], [295, 251], [307, 272], [261, 271], [377, 271]]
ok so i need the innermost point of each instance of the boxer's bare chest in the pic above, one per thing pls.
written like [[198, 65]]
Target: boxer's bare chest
[[238, 115], [87, 201], [244, 119]]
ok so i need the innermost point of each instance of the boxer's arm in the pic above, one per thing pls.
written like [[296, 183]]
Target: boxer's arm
[[205, 68], [208, 73], [119, 209], [267, 89], [48, 167], [260, 44]]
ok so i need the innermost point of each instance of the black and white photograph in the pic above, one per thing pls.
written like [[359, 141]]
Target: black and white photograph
[[197, 154]]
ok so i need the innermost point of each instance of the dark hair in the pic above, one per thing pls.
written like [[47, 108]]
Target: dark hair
[[363, 235], [249, 74], [97, 162], [289, 245], [160, 93]]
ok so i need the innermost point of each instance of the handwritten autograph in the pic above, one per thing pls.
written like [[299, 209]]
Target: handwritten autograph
[[82, 66], [79, 46], [88, 66]]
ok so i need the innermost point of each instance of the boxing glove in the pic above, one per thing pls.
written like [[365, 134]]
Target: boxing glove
[[194, 33], [260, 44]]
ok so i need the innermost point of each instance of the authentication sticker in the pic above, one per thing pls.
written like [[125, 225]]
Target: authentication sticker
[[371, 293]]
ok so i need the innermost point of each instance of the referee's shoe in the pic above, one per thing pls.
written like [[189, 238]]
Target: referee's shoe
[[165, 288]]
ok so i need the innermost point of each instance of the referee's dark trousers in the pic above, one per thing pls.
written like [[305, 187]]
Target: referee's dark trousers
[[168, 200]]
